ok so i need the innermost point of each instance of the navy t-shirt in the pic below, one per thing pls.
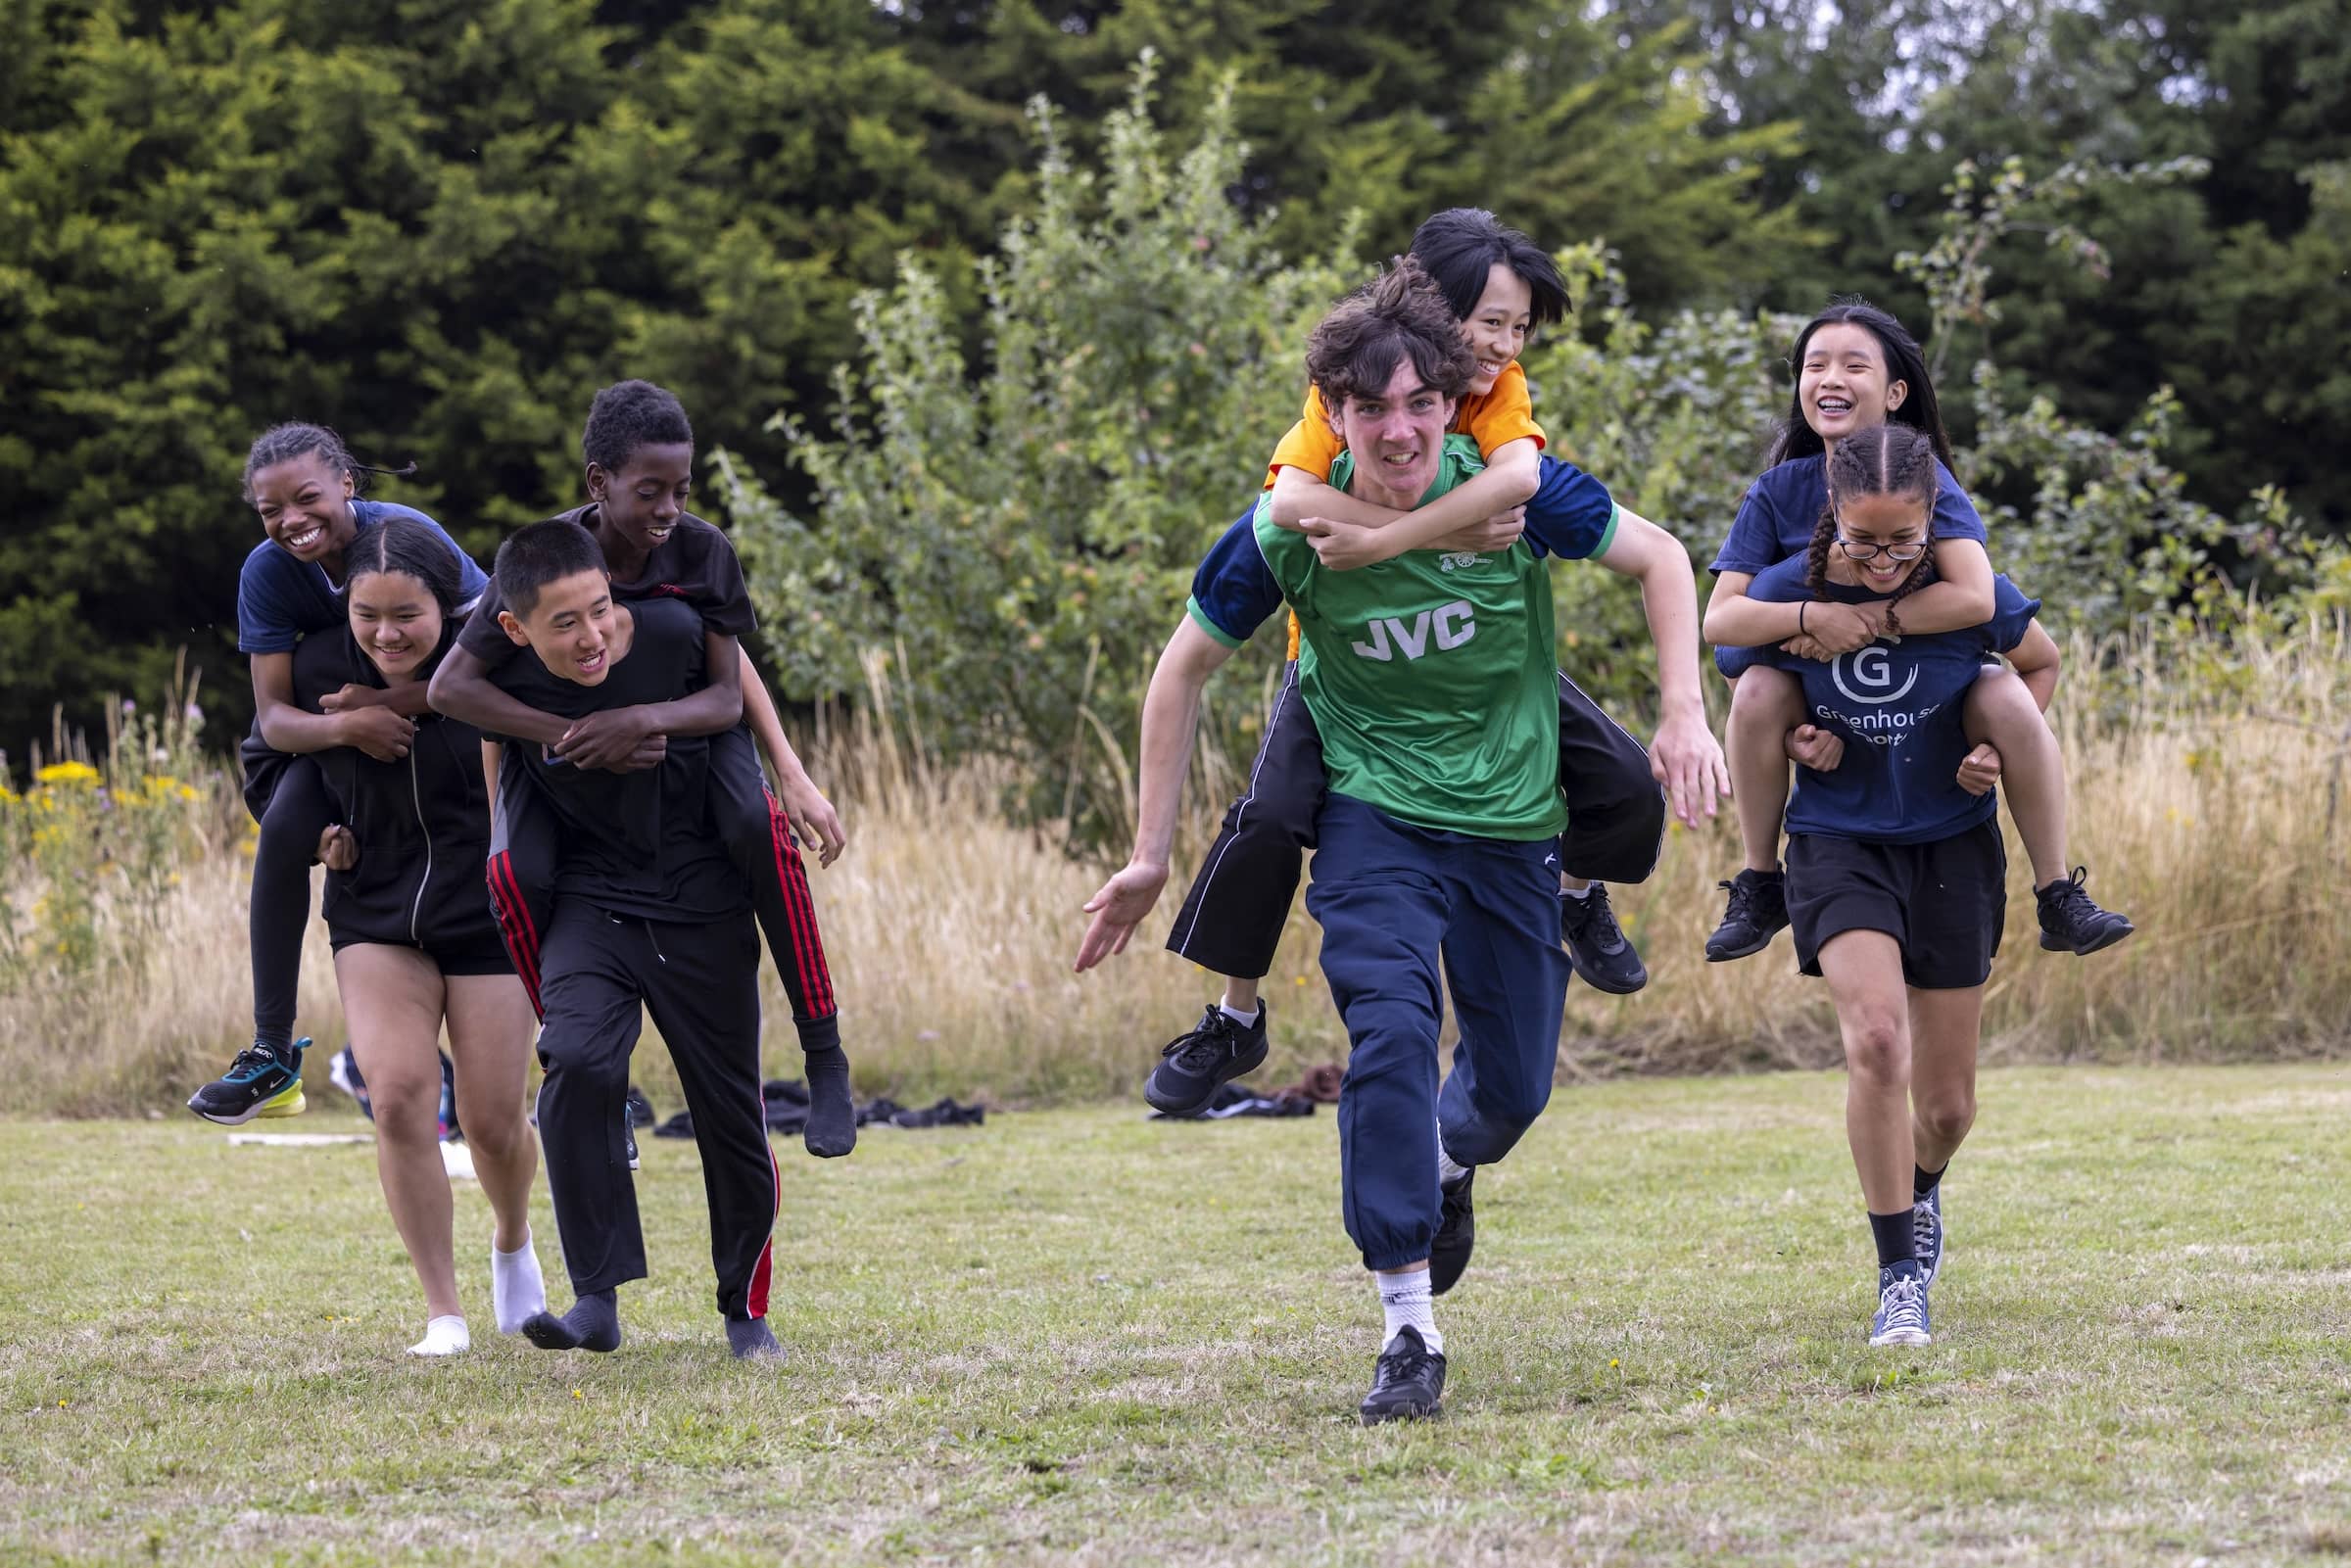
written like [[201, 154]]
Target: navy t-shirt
[[1783, 507], [281, 600], [1899, 707], [1571, 516], [697, 563]]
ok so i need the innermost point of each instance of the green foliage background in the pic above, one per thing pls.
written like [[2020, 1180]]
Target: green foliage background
[[440, 226]]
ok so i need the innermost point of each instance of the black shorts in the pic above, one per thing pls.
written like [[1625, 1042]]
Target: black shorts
[[487, 956], [1945, 902]]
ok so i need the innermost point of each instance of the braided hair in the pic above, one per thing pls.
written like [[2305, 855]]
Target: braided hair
[[1888, 460], [1906, 362], [283, 442]]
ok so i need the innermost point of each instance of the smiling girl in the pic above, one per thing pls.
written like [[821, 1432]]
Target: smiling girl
[[415, 943], [1896, 870], [305, 487]]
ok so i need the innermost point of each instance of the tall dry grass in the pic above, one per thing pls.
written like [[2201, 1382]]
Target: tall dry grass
[[2216, 822]]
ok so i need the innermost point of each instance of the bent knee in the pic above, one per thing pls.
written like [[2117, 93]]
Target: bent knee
[[1765, 695], [405, 1107], [1877, 1047], [1947, 1121]]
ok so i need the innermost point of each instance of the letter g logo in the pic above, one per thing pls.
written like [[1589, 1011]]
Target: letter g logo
[[1866, 674]]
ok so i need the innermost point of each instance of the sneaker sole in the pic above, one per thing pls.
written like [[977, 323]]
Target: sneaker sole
[[1598, 983], [1903, 1338], [1402, 1413], [2050, 945], [1169, 1106], [277, 1106], [1726, 956]]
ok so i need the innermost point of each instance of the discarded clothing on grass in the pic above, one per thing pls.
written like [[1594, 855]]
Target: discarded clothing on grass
[[1233, 1100], [946, 1113], [787, 1104]]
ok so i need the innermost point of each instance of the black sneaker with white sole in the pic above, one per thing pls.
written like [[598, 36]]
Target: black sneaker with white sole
[[1755, 912], [1457, 1236], [1215, 1051], [1597, 947], [1407, 1383], [2071, 922]]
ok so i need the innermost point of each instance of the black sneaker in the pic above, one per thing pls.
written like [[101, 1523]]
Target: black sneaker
[[1192, 1066], [1457, 1236], [1408, 1382], [2070, 924], [1596, 946], [1757, 913], [263, 1082], [628, 1131]]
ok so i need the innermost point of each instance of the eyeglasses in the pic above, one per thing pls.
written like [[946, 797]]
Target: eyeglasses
[[1870, 552]]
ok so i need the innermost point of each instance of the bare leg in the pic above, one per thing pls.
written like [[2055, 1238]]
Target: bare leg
[[393, 997], [490, 1027], [1765, 704], [1240, 994], [2001, 712], [1944, 1026], [1864, 971], [1573, 884]]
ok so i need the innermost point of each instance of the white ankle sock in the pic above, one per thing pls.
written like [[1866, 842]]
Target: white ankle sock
[[1582, 892], [1448, 1170], [516, 1288], [443, 1336], [1408, 1303], [1246, 1020]]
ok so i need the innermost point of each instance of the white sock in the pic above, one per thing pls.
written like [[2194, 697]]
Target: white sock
[[1408, 1303], [516, 1288], [1582, 892], [1448, 1171], [443, 1336], [1246, 1020]]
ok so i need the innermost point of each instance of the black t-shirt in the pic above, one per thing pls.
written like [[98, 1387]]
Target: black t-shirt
[[633, 843], [696, 564]]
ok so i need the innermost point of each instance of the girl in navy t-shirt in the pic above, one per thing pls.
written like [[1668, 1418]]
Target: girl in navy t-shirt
[[1895, 872], [1859, 369]]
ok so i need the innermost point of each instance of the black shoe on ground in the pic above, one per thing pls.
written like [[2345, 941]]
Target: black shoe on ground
[[1192, 1066], [1757, 912], [1407, 1383], [1596, 946], [1457, 1236], [2070, 924], [263, 1081]]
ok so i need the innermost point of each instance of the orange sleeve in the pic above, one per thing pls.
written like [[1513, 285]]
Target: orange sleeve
[[1500, 418], [1312, 445]]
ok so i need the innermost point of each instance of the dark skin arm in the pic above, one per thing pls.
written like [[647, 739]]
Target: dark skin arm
[[614, 736], [374, 727], [462, 688]]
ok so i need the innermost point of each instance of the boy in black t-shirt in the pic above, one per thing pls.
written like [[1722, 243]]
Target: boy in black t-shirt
[[638, 451], [648, 912]]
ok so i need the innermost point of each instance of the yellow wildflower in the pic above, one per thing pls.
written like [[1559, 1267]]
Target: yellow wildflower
[[68, 773]]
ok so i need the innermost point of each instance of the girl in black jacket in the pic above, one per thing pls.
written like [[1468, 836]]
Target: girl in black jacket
[[415, 942]]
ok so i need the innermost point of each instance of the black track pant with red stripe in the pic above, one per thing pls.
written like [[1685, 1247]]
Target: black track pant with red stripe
[[600, 973], [522, 864]]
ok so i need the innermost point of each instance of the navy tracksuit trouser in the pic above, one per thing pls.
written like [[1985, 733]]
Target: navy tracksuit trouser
[[1394, 901]]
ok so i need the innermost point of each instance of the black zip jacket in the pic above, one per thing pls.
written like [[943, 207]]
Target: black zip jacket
[[422, 823]]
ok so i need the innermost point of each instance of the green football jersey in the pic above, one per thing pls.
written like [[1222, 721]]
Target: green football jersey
[[1432, 676]]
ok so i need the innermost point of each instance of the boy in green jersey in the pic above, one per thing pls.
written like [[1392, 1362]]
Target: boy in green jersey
[[1430, 679]]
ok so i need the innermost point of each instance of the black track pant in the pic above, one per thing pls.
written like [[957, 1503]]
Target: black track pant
[[603, 973], [287, 797], [522, 868], [1232, 918]]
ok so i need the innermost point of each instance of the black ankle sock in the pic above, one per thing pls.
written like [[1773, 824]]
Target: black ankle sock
[[749, 1337], [1896, 1243], [1926, 1181], [279, 1040], [832, 1129], [591, 1324]]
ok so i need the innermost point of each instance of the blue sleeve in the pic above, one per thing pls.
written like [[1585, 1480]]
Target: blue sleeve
[[2012, 614], [1780, 584], [1233, 591], [1954, 514], [1571, 514], [265, 618], [1755, 542]]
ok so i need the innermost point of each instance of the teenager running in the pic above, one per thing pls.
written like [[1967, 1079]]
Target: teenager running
[[1857, 368], [649, 914], [1895, 871], [416, 945], [1499, 285], [1431, 683], [307, 488], [638, 451]]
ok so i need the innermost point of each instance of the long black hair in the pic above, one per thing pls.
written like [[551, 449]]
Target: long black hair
[[1920, 409], [411, 549], [1458, 248], [283, 442], [1887, 459]]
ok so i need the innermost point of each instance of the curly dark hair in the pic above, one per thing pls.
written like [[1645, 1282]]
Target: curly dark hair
[[1906, 362], [1883, 460], [283, 442], [627, 415], [1354, 350]]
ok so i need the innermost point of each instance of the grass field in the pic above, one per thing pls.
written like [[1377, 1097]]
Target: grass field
[[1079, 1336]]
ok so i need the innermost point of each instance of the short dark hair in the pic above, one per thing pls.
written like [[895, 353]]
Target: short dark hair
[[284, 443], [627, 415], [541, 553], [400, 545], [1354, 350], [1906, 362], [1460, 248]]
